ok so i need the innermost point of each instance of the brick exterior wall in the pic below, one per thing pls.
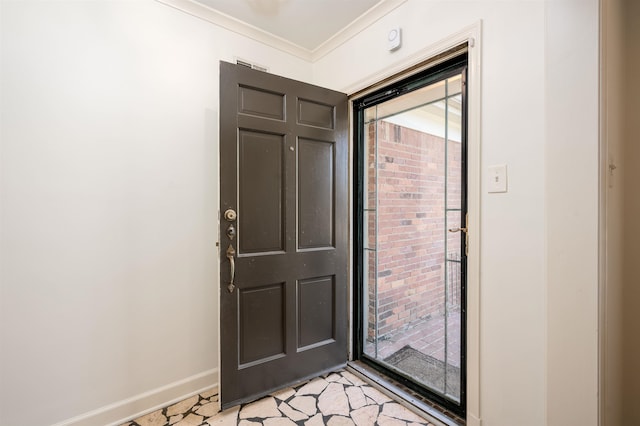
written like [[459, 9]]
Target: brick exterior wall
[[411, 224]]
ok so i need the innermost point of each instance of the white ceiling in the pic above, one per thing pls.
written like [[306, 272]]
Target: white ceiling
[[306, 23]]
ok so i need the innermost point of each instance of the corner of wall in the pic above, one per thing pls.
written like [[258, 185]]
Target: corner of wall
[[571, 211], [120, 412]]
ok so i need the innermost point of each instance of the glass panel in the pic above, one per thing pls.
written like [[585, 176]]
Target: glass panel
[[370, 166], [413, 195], [369, 255], [412, 101], [454, 245]]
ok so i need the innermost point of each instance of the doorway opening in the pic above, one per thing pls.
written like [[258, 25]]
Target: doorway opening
[[410, 230]]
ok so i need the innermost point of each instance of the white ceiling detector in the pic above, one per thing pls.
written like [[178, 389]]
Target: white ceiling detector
[[394, 38]]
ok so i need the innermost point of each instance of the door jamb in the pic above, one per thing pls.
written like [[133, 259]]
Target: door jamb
[[473, 36]]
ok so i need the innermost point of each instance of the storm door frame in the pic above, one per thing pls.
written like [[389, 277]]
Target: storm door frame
[[441, 71]]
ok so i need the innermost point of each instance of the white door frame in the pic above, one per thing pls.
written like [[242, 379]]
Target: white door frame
[[471, 35]]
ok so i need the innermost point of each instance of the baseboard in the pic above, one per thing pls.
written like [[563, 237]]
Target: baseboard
[[473, 420], [146, 402]]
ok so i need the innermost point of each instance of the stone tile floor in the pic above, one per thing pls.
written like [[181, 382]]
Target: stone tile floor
[[336, 399]]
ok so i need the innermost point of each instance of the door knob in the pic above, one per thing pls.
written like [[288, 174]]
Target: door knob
[[230, 215]]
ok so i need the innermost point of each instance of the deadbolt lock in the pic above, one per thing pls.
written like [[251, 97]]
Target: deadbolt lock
[[230, 215], [231, 232]]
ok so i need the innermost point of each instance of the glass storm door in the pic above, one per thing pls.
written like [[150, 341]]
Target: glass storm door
[[411, 215]]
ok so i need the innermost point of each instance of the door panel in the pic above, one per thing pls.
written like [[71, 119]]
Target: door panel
[[316, 313], [261, 190], [316, 193], [315, 114], [261, 324], [260, 102], [283, 169]]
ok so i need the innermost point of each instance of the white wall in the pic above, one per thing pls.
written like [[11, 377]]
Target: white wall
[[109, 199], [109, 205], [572, 206], [531, 267]]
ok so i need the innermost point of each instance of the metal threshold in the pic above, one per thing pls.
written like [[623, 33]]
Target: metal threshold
[[404, 397]]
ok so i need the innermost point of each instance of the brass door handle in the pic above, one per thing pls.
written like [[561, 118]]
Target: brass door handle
[[232, 263], [466, 233], [458, 230]]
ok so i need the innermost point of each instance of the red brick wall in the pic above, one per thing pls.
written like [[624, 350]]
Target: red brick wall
[[411, 223]]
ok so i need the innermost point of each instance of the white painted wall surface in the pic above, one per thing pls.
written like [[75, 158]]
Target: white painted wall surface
[[523, 228], [109, 205], [571, 174], [109, 181]]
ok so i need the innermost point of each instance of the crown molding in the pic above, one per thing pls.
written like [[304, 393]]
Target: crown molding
[[237, 26], [199, 10], [362, 22]]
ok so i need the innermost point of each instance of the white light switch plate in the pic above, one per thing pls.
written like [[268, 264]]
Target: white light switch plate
[[498, 178]]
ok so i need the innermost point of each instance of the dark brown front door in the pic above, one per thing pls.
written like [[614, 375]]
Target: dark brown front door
[[283, 171]]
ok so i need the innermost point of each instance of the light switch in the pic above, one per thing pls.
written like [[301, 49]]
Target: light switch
[[498, 178]]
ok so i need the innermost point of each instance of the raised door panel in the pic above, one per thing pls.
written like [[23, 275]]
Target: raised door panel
[[260, 192], [316, 194], [312, 113], [316, 312], [262, 324], [261, 103]]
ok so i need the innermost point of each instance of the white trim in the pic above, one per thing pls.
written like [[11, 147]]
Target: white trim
[[473, 35], [235, 25], [470, 34], [603, 154], [473, 420], [358, 25], [475, 177], [146, 402]]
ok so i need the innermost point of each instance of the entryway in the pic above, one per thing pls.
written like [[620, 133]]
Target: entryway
[[284, 232]]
